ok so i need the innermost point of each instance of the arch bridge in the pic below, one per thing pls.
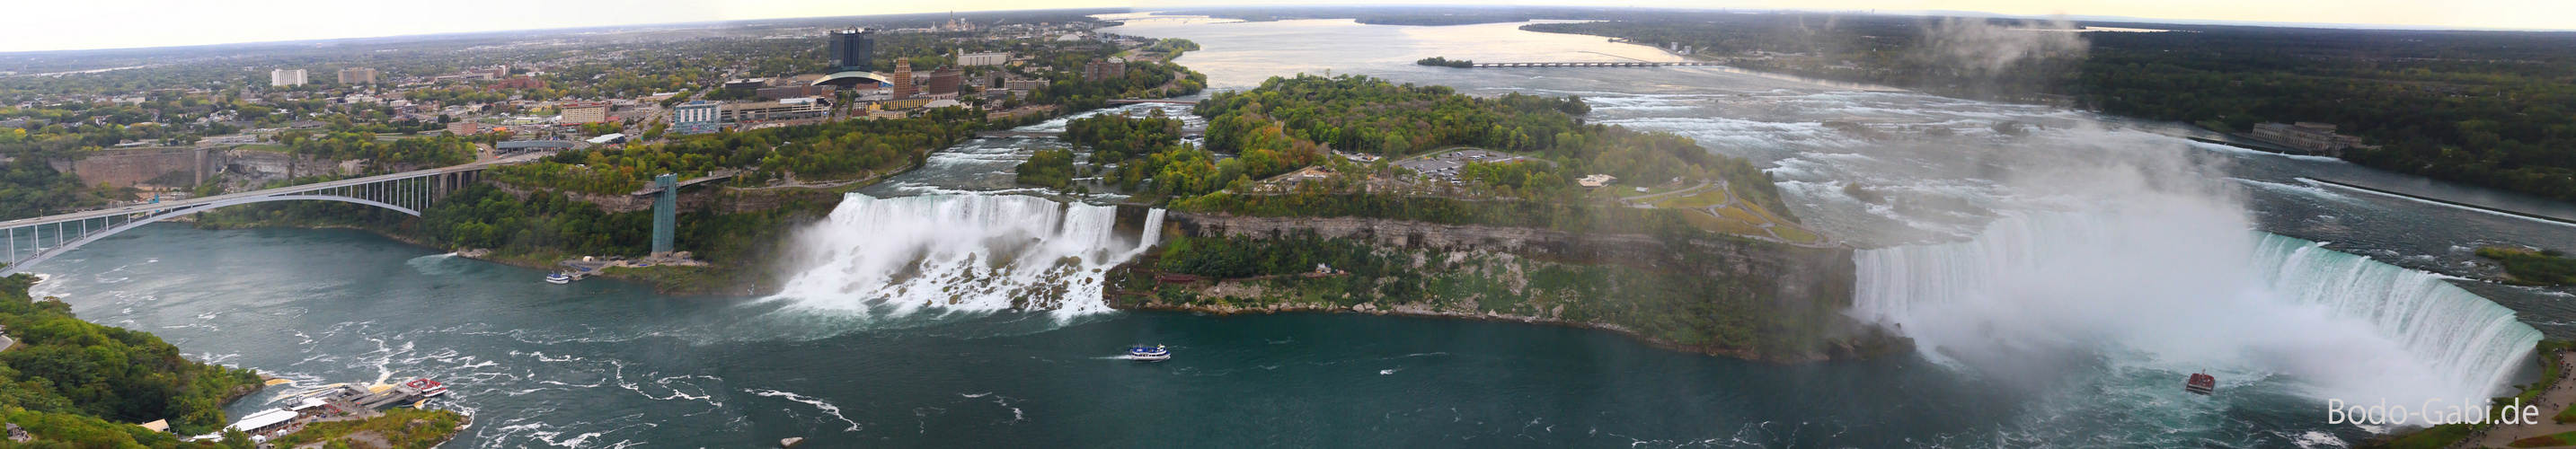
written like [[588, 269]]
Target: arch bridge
[[26, 242]]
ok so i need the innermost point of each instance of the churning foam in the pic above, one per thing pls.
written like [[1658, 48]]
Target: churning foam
[[962, 253], [2189, 285]]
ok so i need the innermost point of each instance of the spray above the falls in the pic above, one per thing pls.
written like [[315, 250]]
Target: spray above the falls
[[2187, 283], [962, 253]]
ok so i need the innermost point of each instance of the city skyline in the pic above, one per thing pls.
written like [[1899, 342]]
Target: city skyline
[[162, 23]]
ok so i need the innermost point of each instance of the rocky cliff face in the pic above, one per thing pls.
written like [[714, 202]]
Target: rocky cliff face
[[1719, 295], [1794, 273]]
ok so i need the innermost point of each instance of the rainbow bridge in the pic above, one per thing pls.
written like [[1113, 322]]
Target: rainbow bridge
[[26, 242]]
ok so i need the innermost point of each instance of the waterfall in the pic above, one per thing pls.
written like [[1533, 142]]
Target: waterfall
[[962, 253], [2190, 287]]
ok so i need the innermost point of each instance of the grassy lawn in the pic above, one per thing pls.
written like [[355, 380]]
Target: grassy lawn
[[1721, 225], [1708, 198], [2556, 439], [1738, 213], [1795, 235]]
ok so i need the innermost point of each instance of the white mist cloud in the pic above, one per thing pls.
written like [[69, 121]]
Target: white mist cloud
[[1980, 45]]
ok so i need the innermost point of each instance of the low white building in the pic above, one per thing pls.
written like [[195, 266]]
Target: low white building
[[976, 59], [264, 421]]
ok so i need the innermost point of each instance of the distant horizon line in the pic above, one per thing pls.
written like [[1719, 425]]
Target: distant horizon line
[[1916, 13]]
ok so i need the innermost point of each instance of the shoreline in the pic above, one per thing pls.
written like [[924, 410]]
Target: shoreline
[[1423, 312]]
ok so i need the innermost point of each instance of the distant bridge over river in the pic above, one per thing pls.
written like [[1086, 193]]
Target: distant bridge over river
[[29, 241], [1505, 65]]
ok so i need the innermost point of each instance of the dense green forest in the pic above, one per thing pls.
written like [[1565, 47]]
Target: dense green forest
[[413, 153], [1118, 137], [2482, 107], [1051, 168], [1271, 126], [1437, 61], [73, 383], [30, 190]]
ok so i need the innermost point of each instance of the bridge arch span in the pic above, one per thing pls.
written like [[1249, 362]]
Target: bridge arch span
[[48, 253]]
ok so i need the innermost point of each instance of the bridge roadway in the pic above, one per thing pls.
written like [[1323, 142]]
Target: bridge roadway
[[1505, 65], [182, 204]]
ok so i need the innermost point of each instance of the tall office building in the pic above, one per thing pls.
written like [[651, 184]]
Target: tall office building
[[852, 48], [286, 77], [902, 79]]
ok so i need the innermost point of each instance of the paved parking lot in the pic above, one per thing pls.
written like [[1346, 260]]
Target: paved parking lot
[[1445, 166]]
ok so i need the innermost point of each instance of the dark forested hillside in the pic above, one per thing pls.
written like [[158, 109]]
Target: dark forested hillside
[[73, 381], [2485, 107]]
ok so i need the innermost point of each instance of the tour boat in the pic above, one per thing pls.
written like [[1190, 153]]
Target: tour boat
[[427, 388], [1154, 353], [2201, 384], [558, 278]]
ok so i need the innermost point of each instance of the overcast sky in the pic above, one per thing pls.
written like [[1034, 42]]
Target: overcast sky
[[65, 25]]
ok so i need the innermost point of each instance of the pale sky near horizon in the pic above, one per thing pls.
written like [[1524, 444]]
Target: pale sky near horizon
[[60, 25]]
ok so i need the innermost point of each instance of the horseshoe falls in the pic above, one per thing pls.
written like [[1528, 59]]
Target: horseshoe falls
[[2178, 288]]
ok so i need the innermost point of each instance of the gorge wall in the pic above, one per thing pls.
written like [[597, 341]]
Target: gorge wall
[[1714, 294]]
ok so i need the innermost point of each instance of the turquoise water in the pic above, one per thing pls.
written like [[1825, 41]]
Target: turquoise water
[[603, 364]]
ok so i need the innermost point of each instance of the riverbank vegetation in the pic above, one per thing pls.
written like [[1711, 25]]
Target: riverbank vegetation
[[31, 190], [2533, 267], [401, 428], [2482, 107], [1437, 61], [77, 382]]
